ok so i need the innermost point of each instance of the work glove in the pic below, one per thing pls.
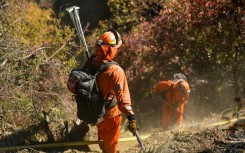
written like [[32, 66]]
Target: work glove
[[132, 125]]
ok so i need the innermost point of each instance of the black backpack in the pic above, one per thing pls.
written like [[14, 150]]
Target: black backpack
[[90, 104]]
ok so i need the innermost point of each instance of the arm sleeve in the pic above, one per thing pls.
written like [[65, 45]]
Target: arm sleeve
[[183, 101], [120, 88], [180, 115], [185, 98]]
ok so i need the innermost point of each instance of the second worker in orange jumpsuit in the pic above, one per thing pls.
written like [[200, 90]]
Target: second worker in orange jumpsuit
[[174, 94], [112, 84]]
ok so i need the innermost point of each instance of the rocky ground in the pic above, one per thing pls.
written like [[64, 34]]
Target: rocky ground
[[212, 135]]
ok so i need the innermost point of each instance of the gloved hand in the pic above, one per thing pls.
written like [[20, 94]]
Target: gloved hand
[[132, 125]]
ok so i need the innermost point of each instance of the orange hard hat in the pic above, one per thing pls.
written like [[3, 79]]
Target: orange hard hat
[[108, 43], [110, 38], [184, 87]]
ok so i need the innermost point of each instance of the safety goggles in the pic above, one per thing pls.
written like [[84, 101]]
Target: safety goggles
[[101, 43]]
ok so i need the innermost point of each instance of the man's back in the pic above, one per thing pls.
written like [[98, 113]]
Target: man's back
[[113, 83]]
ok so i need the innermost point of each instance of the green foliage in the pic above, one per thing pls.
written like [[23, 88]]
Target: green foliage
[[127, 13], [35, 53]]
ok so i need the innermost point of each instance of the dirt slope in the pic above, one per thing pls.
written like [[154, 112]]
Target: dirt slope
[[191, 139], [213, 135], [194, 140]]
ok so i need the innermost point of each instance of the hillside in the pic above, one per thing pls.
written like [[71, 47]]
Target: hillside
[[212, 135], [202, 138], [39, 47]]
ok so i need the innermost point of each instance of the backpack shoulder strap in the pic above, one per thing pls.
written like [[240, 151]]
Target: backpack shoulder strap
[[103, 67], [106, 65], [89, 67]]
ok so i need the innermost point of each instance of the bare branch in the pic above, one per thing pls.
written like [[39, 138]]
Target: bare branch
[[56, 51], [46, 93], [28, 56], [3, 63]]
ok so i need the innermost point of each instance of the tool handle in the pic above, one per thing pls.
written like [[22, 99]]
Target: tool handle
[[178, 111], [74, 14], [139, 140]]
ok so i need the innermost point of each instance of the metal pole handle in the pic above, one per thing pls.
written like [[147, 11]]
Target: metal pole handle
[[139, 140], [74, 14], [194, 124]]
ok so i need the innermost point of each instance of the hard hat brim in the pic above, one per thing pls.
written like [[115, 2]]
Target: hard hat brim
[[119, 44]]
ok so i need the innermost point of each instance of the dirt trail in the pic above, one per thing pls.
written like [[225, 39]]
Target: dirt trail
[[213, 135], [192, 139]]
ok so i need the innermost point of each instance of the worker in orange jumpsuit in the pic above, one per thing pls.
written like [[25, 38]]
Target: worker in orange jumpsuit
[[112, 84], [174, 95]]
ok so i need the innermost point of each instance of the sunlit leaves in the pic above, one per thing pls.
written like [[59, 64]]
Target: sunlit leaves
[[35, 47], [197, 38]]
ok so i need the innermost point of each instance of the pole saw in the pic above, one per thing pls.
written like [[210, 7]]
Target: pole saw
[[74, 14], [172, 107], [140, 141]]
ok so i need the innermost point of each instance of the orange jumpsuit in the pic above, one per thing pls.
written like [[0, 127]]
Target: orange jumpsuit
[[112, 82], [171, 93]]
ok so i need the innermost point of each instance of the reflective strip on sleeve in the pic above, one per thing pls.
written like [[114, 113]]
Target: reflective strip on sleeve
[[128, 107], [117, 88]]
